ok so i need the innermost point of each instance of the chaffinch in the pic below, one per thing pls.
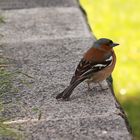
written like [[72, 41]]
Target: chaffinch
[[96, 65]]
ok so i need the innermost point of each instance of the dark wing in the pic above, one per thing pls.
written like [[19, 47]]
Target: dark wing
[[86, 68]]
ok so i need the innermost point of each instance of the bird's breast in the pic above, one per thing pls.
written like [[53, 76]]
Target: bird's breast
[[104, 73]]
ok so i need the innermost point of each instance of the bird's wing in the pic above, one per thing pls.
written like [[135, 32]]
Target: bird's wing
[[86, 68]]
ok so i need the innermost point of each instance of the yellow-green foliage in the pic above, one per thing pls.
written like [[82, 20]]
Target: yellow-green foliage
[[119, 20]]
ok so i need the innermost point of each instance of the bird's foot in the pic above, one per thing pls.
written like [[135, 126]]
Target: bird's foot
[[101, 88], [89, 87]]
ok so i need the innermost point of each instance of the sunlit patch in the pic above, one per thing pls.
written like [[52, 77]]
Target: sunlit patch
[[20, 121], [104, 132], [123, 91]]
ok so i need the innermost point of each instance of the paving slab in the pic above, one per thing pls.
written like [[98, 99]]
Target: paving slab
[[20, 4], [42, 23], [88, 128], [50, 65]]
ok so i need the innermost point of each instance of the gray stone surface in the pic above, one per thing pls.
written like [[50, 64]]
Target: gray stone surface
[[81, 128], [43, 46], [90, 115], [19, 4], [42, 23]]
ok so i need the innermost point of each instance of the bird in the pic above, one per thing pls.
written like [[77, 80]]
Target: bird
[[96, 65]]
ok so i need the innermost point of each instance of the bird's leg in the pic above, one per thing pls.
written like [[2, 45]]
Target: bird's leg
[[102, 89], [100, 85], [88, 84]]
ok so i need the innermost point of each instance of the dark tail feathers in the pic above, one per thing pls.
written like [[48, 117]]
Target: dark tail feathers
[[68, 91]]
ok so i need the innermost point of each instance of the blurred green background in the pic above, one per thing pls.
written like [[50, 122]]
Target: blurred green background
[[119, 20]]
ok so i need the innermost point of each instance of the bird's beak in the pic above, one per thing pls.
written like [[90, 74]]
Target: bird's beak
[[114, 44]]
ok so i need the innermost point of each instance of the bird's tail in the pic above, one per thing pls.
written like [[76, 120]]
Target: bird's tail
[[68, 91]]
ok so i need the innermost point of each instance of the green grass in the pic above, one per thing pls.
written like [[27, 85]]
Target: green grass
[[1, 22], [119, 20], [7, 132], [2, 19], [6, 87]]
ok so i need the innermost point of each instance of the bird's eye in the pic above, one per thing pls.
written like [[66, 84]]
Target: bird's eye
[[110, 42]]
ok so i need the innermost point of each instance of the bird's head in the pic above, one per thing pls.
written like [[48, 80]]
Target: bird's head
[[104, 43]]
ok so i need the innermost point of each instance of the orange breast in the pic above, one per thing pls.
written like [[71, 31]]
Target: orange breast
[[103, 74], [94, 54]]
